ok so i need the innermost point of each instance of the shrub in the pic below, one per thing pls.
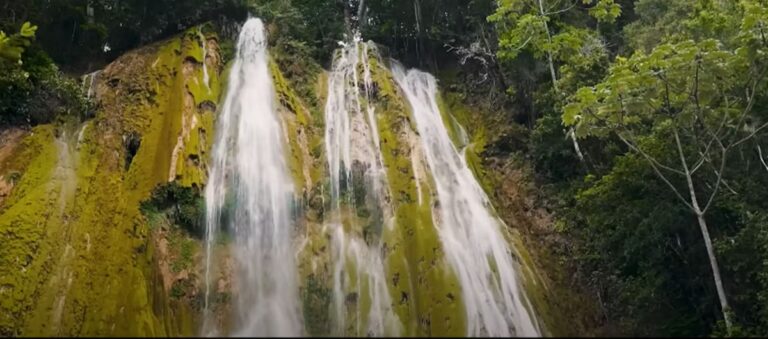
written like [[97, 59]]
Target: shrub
[[184, 206]]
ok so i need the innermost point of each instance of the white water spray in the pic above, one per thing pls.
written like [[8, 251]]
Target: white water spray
[[204, 42], [351, 136], [88, 81], [249, 169], [471, 237]]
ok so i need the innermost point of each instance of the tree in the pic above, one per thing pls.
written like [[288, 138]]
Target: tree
[[699, 95], [11, 47], [526, 24]]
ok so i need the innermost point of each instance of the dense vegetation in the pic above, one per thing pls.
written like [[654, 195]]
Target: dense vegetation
[[644, 121]]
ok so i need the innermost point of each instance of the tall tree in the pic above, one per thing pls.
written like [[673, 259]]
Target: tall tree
[[699, 95], [527, 25]]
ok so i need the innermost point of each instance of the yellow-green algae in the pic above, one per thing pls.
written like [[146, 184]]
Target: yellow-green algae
[[302, 115], [24, 227], [85, 266], [545, 300], [425, 292], [304, 135], [294, 116], [116, 288], [198, 106]]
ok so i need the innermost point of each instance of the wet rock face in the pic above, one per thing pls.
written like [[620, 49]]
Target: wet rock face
[[131, 143], [155, 123], [10, 140], [358, 182], [94, 263]]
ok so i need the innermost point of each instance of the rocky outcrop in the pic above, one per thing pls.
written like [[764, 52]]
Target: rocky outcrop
[[78, 257]]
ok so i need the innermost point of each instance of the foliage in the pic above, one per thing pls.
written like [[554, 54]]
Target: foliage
[[629, 76], [80, 32], [32, 89], [682, 109], [183, 205], [12, 46], [316, 300], [632, 77], [419, 32], [309, 27]]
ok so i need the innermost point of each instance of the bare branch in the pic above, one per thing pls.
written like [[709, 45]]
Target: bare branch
[[762, 160], [634, 140], [719, 175], [652, 162], [725, 184], [562, 10], [660, 165], [703, 159], [749, 136]]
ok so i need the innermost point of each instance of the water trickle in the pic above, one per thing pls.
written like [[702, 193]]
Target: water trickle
[[249, 169], [471, 237], [354, 159], [88, 81], [204, 41]]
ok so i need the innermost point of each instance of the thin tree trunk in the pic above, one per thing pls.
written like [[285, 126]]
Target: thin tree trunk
[[715, 272], [705, 233], [571, 131], [419, 38], [347, 18]]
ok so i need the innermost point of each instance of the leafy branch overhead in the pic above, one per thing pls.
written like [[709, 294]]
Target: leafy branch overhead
[[11, 47], [699, 97], [526, 24]]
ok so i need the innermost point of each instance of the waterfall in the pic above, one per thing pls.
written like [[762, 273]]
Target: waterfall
[[204, 42], [249, 168], [88, 81], [471, 236], [354, 158]]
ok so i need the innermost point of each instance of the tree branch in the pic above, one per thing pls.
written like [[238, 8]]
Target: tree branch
[[762, 160], [658, 172], [719, 175], [562, 10]]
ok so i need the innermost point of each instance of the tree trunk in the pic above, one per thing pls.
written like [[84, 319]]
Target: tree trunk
[[705, 233], [419, 37], [715, 272], [571, 131], [347, 18]]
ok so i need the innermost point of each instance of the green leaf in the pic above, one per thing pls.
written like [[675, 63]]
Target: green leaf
[[28, 30]]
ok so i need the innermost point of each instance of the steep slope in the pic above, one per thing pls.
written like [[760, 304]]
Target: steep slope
[[78, 258], [118, 246]]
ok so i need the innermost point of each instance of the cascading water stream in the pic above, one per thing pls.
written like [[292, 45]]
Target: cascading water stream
[[250, 174], [204, 43], [90, 78], [471, 237], [352, 145]]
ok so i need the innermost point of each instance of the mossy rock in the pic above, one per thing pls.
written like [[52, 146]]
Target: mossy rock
[[86, 262]]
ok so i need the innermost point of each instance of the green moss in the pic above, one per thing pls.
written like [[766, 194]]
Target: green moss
[[538, 293], [86, 262], [26, 230], [481, 127], [474, 162], [425, 291], [198, 139], [183, 249], [34, 159], [451, 124], [160, 122], [296, 121], [316, 301]]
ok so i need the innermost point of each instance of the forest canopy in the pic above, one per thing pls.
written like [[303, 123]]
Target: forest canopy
[[644, 121]]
